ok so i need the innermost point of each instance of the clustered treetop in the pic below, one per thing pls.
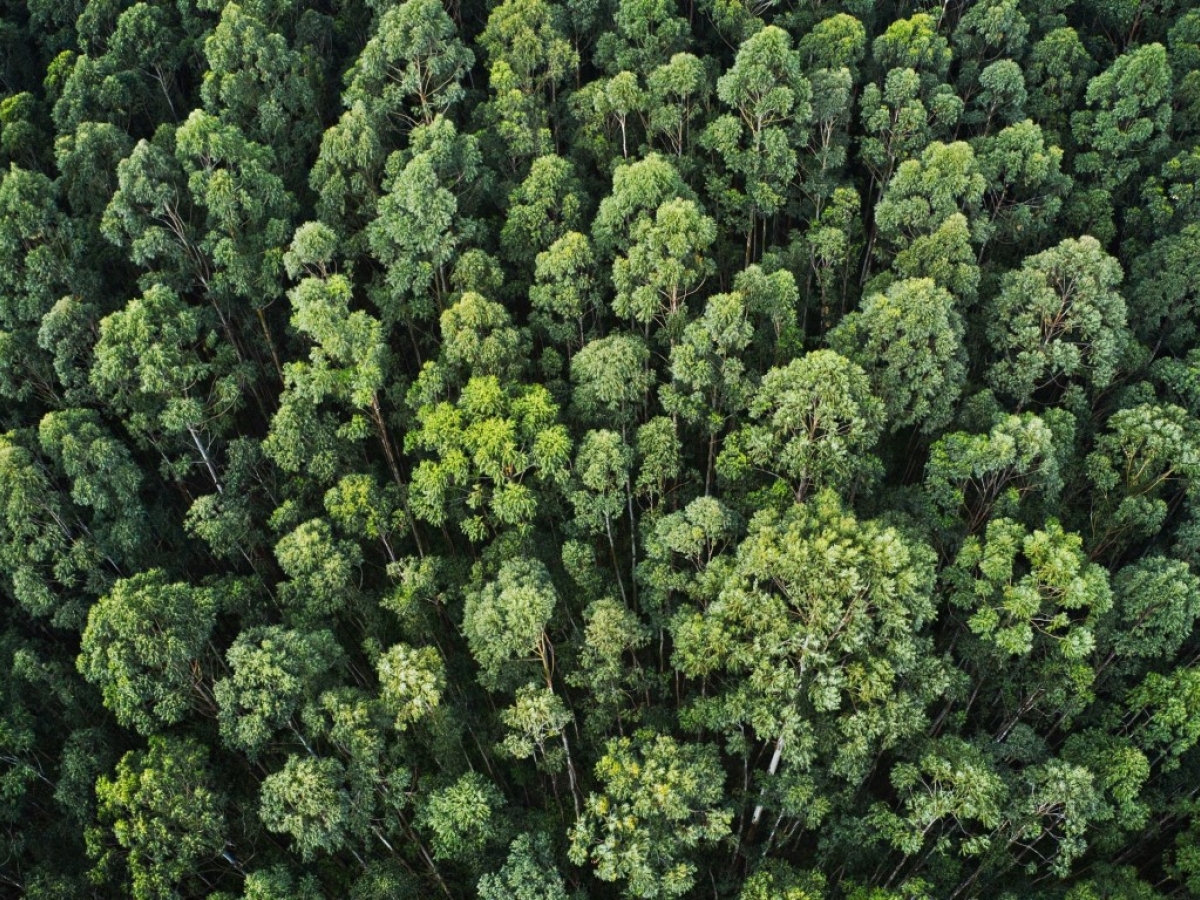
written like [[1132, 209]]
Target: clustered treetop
[[562, 449]]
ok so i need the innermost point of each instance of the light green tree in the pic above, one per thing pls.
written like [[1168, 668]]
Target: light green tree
[[166, 817], [661, 803]]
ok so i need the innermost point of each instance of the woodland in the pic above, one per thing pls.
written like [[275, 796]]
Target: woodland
[[611, 449]]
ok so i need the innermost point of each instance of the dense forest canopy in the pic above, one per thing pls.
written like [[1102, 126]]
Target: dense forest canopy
[[563, 449]]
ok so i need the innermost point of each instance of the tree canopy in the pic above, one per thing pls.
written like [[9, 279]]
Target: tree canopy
[[599, 449]]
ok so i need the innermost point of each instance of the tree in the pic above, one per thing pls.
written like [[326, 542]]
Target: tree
[[271, 671], [679, 90], [953, 786], [930, 203], [493, 454], [1142, 463], [530, 60], [909, 341], [1128, 116], [104, 478], [770, 108], [564, 295], [1025, 183], [420, 225], [612, 636], [130, 69], [349, 362], [661, 802], [603, 467], [144, 645], [347, 176], [202, 208], [972, 477], [411, 70], [166, 817], [815, 628], [612, 378], [505, 621], [546, 206], [1034, 603], [529, 873], [776, 880], [479, 339], [1001, 97], [265, 88], [320, 569], [639, 189], [177, 385], [306, 800], [411, 682], [53, 569], [816, 423], [35, 261], [899, 124], [709, 384], [647, 35], [461, 817], [1156, 601], [1163, 291], [680, 555], [665, 265], [914, 43], [988, 33], [1058, 71], [1059, 319]]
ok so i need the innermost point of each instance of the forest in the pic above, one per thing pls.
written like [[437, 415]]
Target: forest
[[599, 449]]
